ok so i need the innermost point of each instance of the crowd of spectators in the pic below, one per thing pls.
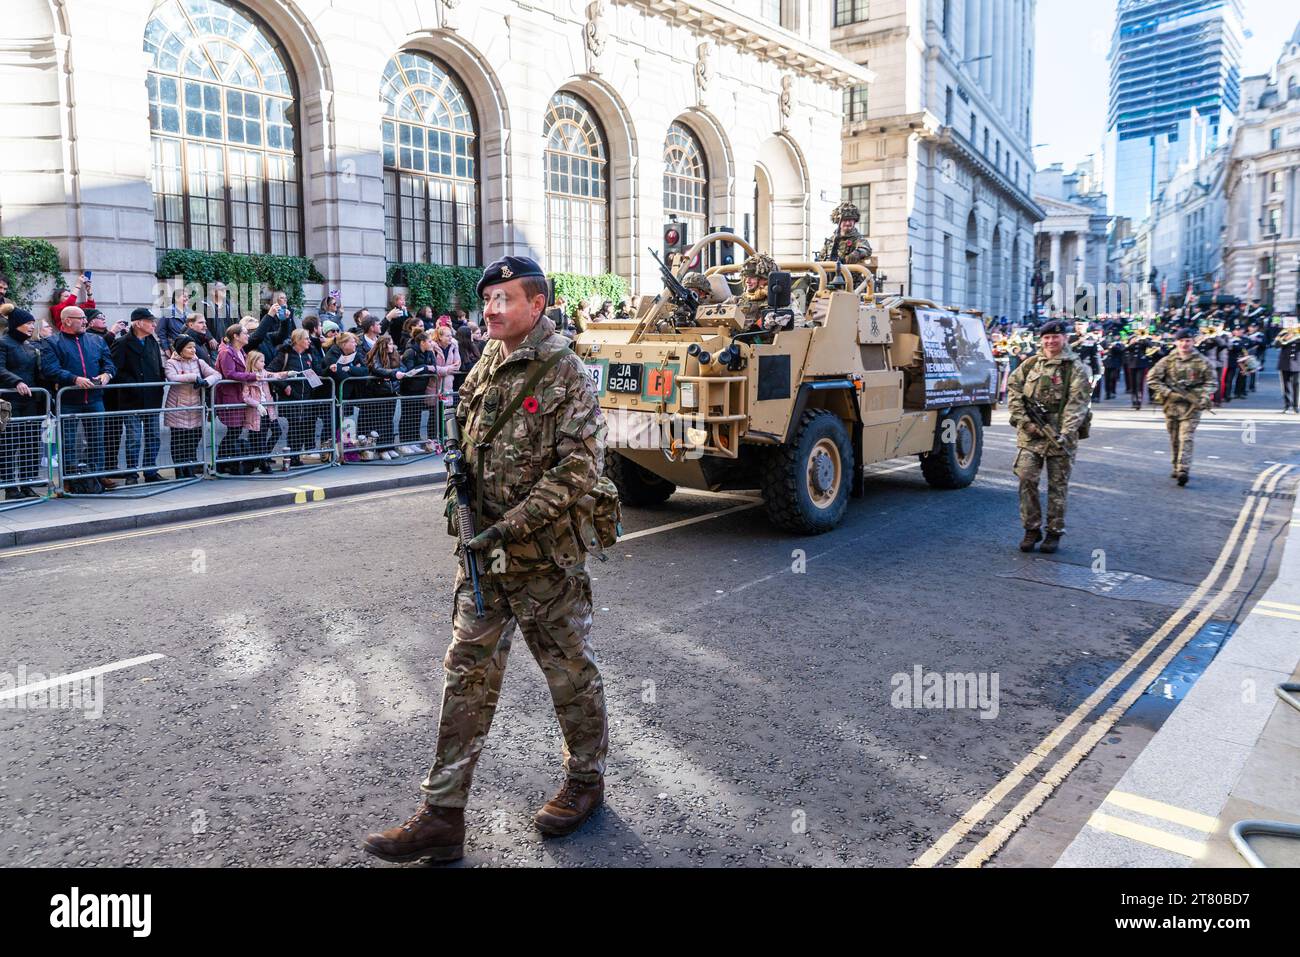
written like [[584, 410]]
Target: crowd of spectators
[[176, 364]]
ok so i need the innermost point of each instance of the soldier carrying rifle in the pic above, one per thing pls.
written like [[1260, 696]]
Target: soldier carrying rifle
[[1184, 382], [534, 445]]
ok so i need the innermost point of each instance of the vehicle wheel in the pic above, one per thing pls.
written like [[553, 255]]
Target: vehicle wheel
[[957, 462], [636, 486], [806, 484]]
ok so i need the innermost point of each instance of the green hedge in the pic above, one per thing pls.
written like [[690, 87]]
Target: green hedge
[[27, 263], [576, 288], [442, 287], [281, 273]]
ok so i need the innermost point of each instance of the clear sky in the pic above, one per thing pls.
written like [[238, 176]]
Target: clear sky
[[1072, 77]]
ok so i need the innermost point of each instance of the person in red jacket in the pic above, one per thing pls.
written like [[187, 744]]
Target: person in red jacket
[[71, 299]]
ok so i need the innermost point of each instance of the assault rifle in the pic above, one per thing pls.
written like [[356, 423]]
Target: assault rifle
[[1041, 416], [1181, 393], [458, 479]]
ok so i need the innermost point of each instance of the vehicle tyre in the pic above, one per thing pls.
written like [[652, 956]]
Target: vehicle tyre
[[957, 462], [806, 484], [637, 486]]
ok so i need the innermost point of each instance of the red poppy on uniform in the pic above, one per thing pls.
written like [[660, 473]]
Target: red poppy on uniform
[[530, 404]]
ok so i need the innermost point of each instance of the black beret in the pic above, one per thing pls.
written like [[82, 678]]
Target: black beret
[[1052, 327], [510, 267], [142, 313], [1185, 334]]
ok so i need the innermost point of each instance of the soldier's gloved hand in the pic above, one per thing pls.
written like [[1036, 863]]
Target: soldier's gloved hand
[[488, 539]]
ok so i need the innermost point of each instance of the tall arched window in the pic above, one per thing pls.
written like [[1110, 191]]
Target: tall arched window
[[430, 165], [686, 181], [577, 188], [225, 149]]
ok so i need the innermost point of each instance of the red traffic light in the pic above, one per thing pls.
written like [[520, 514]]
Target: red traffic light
[[672, 237]]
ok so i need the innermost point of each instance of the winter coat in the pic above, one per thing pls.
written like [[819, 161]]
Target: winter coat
[[297, 363], [20, 363], [231, 365], [1288, 357], [447, 362], [254, 394], [139, 362], [186, 396], [416, 382], [348, 367], [65, 358]]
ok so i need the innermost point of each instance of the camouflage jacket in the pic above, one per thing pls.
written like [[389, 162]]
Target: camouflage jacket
[[752, 304], [550, 454], [1043, 379], [850, 249], [1192, 375]]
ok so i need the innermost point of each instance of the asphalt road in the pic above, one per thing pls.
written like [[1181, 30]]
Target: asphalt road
[[754, 719]]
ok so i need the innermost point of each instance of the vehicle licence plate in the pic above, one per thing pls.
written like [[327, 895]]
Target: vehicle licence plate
[[625, 376]]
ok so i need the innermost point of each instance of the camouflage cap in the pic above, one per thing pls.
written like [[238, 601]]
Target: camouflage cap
[[760, 266], [845, 211]]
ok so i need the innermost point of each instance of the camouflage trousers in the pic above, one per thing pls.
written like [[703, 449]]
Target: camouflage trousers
[[1181, 430], [1028, 468], [553, 610]]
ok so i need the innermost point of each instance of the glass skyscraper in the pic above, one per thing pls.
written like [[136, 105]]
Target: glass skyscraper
[[1175, 82]]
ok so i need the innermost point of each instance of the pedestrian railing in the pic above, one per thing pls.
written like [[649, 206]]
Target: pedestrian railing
[[111, 434], [380, 426], [138, 440], [27, 449], [289, 422]]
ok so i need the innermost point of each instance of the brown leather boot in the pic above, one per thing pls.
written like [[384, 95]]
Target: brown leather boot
[[437, 833], [1051, 542], [570, 808], [1032, 537]]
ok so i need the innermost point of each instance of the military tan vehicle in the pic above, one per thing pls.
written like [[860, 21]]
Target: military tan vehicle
[[796, 405]]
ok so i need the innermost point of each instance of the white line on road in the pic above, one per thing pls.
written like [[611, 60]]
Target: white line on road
[[687, 521], [76, 676]]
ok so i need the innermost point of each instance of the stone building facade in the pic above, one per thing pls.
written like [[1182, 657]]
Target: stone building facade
[[1261, 244], [357, 131], [939, 148]]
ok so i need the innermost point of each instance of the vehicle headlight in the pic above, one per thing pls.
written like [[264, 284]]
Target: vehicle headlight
[[687, 395]]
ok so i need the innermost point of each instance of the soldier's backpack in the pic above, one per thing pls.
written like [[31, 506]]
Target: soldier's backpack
[[1085, 427]]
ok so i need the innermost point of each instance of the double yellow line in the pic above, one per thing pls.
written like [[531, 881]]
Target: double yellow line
[[1251, 516]]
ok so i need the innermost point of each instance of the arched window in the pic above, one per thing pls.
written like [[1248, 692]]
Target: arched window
[[430, 164], [686, 181], [222, 105], [577, 188]]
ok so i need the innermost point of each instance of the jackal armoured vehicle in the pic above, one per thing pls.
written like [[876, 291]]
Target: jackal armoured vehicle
[[797, 404]]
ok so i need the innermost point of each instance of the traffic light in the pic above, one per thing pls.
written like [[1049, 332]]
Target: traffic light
[[726, 251], [674, 240]]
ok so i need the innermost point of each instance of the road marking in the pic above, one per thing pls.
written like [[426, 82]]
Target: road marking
[[896, 468], [688, 521], [205, 523], [1040, 753], [1281, 604], [300, 493], [1001, 832], [1151, 836], [1166, 812], [1268, 612], [76, 676]]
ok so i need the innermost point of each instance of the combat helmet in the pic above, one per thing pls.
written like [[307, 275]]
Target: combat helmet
[[697, 282], [760, 266], [845, 211]]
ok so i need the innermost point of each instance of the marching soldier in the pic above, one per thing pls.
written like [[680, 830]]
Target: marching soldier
[[1058, 383], [1184, 382], [847, 245], [529, 477]]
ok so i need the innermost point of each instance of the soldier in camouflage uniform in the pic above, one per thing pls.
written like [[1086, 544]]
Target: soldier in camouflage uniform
[[847, 245], [548, 456], [699, 284], [1060, 382], [1187, 371], [753, 303]]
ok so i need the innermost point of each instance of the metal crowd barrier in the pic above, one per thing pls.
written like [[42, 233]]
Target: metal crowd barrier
[[245, 440], [382, 428], [96, 442], [27, 450]]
